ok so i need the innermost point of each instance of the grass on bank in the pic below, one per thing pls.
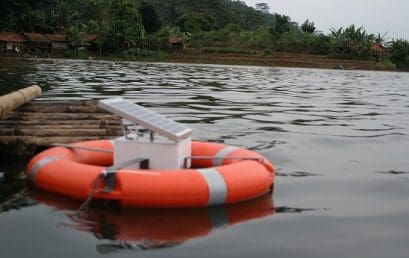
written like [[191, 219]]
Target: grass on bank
[[233, 56], [229, 50]]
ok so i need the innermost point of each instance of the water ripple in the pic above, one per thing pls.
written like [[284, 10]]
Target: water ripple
[[394, 172]]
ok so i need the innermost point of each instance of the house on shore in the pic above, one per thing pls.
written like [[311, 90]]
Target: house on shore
[[379, 51], [37, 42], [11, 42], [176, 43], [91, 38], [43, 44], [59, 43], [89, 42]]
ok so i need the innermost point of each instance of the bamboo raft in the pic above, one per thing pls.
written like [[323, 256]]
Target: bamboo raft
[[37, 125]]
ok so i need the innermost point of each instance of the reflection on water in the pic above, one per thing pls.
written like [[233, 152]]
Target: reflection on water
[[297, 174], [339, 141], [394, 172], [153, 228]]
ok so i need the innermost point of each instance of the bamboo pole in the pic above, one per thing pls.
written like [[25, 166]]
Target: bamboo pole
[[61, 107], [39, 141], [67, 116], [57, 123], [38, 130], [74, 147], [37, 124], [17, 98], [64, 132]]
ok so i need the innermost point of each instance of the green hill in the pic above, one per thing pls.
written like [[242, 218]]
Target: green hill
[[223, 11], [49, 16]]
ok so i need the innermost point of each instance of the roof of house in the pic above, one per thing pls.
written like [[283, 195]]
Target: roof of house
[[11, 37], [175, 40], [378, 47], [57, 37], [36, 37], [91, 37]]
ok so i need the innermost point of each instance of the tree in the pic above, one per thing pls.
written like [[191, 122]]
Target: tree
[[232, 27], [320, 43], [223, 12], [380, 39], [262, 38], [291, 40], [351, 42], [308, 27], [125, 28], [400, 53], [263, 7], [281, 25], [75, 36], [196, 22], [150, 19]]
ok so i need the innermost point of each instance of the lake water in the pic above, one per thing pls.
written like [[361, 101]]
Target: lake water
[[339, 141]]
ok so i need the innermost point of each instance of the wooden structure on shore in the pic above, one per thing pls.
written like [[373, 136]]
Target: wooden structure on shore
[[11, 42], [26, 43], [36, 125]]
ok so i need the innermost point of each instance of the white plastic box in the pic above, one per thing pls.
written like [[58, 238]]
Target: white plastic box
[[162, 154]]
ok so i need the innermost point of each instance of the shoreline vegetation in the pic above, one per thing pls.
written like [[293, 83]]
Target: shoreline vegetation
[[280, 59], [194, 31]]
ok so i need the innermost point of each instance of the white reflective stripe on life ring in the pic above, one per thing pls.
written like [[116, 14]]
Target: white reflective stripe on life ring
[[218, 158], [37, 166], [216, 185]]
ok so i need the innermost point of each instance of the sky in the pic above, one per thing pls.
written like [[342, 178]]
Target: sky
[[376, 16]]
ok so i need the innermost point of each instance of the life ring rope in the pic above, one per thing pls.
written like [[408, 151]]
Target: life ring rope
[[260, 160]]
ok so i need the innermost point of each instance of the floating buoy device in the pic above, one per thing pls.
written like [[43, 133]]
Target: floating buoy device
[[154, 164]]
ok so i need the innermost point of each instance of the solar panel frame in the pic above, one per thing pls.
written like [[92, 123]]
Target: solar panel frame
[[146, 118]]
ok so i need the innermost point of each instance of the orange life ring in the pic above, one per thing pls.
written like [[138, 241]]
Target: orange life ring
[[230, 175]]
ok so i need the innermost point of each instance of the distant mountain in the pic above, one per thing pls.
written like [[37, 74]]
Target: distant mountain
[[223, 11]]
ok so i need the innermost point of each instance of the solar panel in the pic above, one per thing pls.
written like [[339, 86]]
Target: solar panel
[[146, 118]]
